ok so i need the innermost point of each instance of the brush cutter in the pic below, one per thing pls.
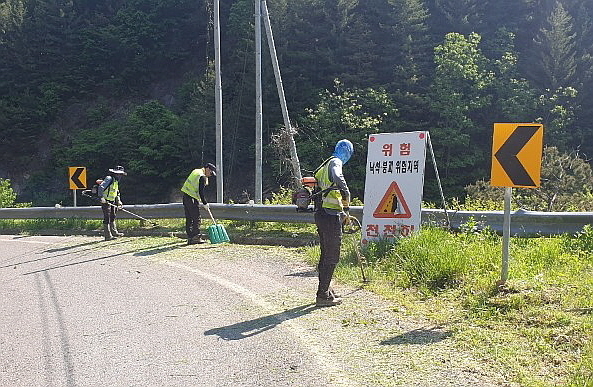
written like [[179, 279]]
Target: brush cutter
[[216, 232], [87, 194], [351, 225]]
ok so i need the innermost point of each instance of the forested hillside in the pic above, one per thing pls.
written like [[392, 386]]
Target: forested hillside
[[100, 83]]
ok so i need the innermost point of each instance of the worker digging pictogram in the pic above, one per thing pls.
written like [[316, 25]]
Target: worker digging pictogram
[[393, 204]]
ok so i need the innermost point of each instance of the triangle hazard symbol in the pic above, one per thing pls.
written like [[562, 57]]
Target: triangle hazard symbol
[[393, 204]]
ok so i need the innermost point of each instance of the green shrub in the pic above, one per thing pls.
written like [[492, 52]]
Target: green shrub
[[7, 195], [581, 241], [432, 259], [283, 196]]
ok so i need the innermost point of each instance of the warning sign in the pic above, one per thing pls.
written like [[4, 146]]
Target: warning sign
[[77, 177], [517, 155], [393, 204], [393, 185]]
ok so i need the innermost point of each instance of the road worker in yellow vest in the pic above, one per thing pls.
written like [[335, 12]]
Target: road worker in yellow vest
[[331, 205], [193, 197], [108, 191]]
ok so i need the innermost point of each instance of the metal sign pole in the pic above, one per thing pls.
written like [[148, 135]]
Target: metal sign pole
[[436, 172], [74, 193], [506, 234]]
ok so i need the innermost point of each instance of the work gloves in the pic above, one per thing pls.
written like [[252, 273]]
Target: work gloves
[[346, 205], [206, 206], [103, 201]]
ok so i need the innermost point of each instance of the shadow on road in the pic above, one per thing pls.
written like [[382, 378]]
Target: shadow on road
[[15, 260], [94, 242], [418, 336], [73, 262], [250, 328], [161, 249], [308, 273]]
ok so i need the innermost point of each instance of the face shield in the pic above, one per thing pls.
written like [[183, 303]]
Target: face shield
[[344, 150]]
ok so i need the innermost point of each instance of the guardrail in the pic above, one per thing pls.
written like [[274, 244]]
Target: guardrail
[[523, 223]]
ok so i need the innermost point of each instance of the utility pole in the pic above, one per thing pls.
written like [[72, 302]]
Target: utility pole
[[294, 158], [218, 104], [258, 105]]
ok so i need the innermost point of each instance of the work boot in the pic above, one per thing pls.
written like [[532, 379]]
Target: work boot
[[113, 235], [198, 239], [114, 231], [327, 301], [107, 233]]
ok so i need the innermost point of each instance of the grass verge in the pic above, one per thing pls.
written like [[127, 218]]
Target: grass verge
[[233, 227], [536, 329]]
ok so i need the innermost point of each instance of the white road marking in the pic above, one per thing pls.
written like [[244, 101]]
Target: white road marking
[[323, 359], [26, 241]]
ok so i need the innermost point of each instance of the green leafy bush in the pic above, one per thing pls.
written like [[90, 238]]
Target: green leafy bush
[[582, 241], [7, 194], [432, 259], [283, 196]]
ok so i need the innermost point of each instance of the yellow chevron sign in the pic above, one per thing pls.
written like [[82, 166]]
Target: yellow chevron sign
[[77, 177], [517, 155]]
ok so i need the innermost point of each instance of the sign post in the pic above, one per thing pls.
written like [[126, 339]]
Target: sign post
[[394, 184], [516, 162], [76, 179]]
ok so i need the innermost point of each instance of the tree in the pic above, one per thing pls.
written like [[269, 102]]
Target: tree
[[515, 98], [459, 89], [196, 109], [411, 47], [557, 111], [12, 14], [344, 113], [556, 51], [462, 16]]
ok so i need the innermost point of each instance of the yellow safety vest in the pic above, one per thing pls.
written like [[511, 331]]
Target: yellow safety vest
[[110, 193], [192, 183], [333, 198]]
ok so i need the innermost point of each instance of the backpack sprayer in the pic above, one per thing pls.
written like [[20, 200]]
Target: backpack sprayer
[[303, 197], [93, 192]]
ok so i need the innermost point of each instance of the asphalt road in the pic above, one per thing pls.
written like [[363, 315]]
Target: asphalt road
[[78, 311]]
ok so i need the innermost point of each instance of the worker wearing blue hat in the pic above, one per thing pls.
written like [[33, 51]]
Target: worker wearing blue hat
[[330, 207]]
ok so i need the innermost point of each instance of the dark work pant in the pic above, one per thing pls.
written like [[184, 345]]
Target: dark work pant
[[330, 240], [109, 212], [193, 219]]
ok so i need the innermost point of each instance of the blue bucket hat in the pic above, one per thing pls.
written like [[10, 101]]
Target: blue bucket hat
[[344, 150]]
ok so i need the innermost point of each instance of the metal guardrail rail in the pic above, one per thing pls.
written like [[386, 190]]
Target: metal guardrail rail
[[523, 223]]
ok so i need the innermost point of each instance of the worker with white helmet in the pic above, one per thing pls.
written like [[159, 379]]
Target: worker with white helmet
[[109, 193]]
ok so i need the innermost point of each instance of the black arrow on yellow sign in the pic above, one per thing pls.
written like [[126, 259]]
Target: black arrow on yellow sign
[[76, 183], [507, 155]]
